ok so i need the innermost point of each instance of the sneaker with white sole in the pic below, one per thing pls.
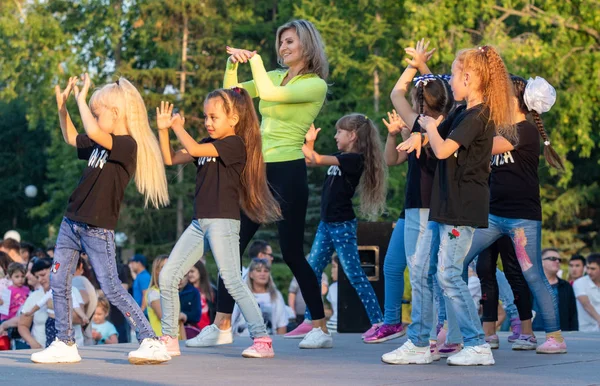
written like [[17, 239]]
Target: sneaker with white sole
[[525, 342], [57, 352], [472, 356], [493, 341], [408, 354], [151, 352], [316, 338], [172, 345], [433, 349], [211, 336], [262, 348]]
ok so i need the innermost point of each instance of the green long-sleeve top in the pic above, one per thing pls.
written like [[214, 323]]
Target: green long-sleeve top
[[287, 111]]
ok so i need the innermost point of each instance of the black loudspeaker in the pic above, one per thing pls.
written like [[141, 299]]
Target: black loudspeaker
[[373, 239]]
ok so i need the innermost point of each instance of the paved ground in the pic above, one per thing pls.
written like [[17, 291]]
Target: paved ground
[[350, 362]]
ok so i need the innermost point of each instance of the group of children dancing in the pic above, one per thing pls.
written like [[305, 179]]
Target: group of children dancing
[[251, 173]]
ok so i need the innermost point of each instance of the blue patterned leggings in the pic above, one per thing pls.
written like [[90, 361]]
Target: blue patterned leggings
[[341, 238]]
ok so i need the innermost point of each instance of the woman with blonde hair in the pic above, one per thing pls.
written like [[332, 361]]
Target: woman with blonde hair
[[290, 100], [118, 144], [153, 294], [270, 300]]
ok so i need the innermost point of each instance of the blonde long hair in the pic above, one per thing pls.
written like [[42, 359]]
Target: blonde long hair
[[150, 177], [271, 287], [313, 48], [494, 85], [156, 268], [256, 199], [372, 188]]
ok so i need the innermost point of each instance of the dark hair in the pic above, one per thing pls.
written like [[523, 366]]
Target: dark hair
[[5, 261], [436, 94], [593, 258], [259, 246], [335, 259], [545, 250], [88, 272], [550, 154], [50, 248], [28, 246], [11, 244], [256, 199], [41, 265], [16, 267], [578, 257], [372, 187], [40, 254], [205, 287]]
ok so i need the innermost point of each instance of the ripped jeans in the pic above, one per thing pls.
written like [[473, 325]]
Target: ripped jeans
[[527, 240]]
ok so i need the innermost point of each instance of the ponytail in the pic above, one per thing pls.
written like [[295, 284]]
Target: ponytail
[[519, 86], [494, 86], [372, 188], [256, 199]]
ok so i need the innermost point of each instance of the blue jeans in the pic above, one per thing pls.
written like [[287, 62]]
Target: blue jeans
[[224, 238], [527, 240], [414, 231], [452, 244], [394, 266], [99, 244], [506, 296], [341, 238]]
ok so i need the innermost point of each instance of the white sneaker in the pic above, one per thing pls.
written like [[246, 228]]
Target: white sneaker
[[472, 356], [57, 352], [211, 336], [408, 354], [316, 338], [151, 352]]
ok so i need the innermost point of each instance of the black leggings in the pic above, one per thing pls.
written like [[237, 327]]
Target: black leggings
[[486, 270], [289, 185]]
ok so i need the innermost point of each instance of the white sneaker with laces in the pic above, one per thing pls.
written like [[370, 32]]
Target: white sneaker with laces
[[472, 356], [211, 336], [151, 352], [316, 338], [57, 352], [408, 354]]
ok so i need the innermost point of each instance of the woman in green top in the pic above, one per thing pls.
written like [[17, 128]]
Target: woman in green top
[[290, 99]]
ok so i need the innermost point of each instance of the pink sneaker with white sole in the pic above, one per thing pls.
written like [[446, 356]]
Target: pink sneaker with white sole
[[551, 346], [371, 330], [262, 348], [300, 331], [172, 345]]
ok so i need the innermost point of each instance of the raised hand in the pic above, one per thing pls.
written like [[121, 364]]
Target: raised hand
[[395, 124], [311, 134], [178, 121], [81, 95], [419, 54], [62, 96], [164, 115], [239, 55]]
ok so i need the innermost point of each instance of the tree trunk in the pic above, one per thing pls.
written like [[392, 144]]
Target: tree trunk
[[184, 44]]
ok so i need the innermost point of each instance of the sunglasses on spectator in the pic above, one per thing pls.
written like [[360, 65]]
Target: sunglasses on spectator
[[552, 258], [262, 261]]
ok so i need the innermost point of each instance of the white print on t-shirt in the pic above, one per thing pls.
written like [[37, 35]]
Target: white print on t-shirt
[[98, 158], [501, 159], [203, 160], [334, 171]]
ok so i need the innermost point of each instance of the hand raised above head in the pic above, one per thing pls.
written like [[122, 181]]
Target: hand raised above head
[[419, 54], [81, 95], [239, 55], [62, 96], [164, 115]]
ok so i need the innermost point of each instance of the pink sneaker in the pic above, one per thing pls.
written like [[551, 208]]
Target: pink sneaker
[[447, 350], [433, 349], [551, 346], [386, 332], [300, 331], [172, 345], [262, 348], [371, 330], [515, 327]]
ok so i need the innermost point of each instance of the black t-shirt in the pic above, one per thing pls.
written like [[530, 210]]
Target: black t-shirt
[[514, 182], [339, 188], [420, 175], [97, 199], [218, 179], [460, 194]]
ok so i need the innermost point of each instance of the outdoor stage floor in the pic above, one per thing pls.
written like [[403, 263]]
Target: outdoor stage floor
[[350, 362]]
